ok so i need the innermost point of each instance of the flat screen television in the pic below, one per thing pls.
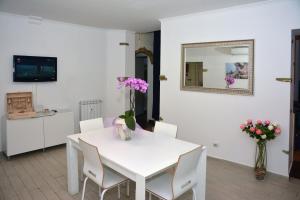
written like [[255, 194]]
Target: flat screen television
[[34, 69]]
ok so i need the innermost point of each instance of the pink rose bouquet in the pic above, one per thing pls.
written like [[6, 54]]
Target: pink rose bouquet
[[261, 130]]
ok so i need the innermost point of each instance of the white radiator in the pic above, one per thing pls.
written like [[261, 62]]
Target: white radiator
[[90, 109]]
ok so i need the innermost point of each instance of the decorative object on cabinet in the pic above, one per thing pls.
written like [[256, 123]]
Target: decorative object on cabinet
[[20, 105], [218, 67], [261, 132]]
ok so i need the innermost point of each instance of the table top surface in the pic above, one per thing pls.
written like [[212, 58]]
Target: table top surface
[[145, 154]]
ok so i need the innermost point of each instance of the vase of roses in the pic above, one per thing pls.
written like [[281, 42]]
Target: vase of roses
[[126, 123], [261, 131]]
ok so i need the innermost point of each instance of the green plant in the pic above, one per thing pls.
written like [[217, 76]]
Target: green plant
[[129, 119]]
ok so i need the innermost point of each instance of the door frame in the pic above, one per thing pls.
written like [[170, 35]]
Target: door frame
[[295, 33]]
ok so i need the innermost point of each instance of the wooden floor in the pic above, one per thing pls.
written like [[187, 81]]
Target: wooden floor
[[43, 176]]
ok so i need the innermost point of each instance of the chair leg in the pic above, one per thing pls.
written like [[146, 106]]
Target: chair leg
[[127, 188], [100, 191], [150, 196], [81, 171], [83, 189], [194, 194], [119, 192], [102, 194], [81, 175]]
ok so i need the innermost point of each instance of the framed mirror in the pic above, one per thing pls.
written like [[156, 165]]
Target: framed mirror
[[218, 67]]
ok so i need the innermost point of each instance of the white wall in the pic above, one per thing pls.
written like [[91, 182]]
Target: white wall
[[130, 60], [119, 63], [88, 61], [206, 118], [114, 98]]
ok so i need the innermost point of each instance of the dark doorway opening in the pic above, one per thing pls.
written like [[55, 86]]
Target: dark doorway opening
[[147, 67], [294, 157], [156, 75], [141, 68]]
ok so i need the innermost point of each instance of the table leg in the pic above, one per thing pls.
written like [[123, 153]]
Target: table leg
[[201, 173], [72, 161], [140, 189]]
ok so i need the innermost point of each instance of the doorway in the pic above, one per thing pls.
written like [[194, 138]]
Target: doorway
[[294, 157], [194, 74], [141, 71], [147, 67]]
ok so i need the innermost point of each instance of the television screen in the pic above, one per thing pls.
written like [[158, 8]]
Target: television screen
[[35, 69]]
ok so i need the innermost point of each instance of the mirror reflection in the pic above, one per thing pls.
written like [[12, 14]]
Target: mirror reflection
[[219, 66]]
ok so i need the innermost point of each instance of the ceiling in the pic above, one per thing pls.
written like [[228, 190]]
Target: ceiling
[[135, 15]]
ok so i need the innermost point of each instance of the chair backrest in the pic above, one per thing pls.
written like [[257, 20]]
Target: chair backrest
[[185, 176], [92, 166], [91, 125], [165, 129]]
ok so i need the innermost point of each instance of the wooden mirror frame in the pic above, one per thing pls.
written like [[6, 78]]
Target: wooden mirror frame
[[233, 91], [146, 52]]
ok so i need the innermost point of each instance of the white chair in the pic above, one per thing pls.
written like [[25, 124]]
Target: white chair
[[94, 170], [91, 125], [168, 186], [165, 129]]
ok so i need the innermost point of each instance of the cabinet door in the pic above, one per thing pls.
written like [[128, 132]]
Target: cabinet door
[[24, 135], [57, 128]]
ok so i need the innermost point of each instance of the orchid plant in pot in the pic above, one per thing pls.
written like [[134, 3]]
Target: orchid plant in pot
[[126, 123], [261, 131]]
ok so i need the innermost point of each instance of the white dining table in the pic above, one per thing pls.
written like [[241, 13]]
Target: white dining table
[[145, 155]]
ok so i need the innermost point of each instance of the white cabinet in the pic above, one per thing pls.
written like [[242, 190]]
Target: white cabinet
[[24, 135], [57, 128]]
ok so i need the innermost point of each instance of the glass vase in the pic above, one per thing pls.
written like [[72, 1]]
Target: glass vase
[[122, 130], [261, 160]]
